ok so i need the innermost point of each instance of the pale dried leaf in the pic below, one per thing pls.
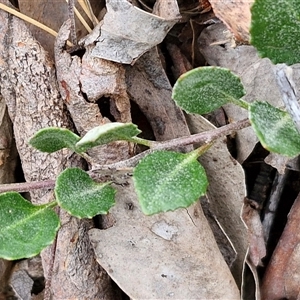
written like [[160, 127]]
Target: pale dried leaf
[[236, 15], [226, 192], [257, 247], [170, 255], [127, 32], [281, 279], [22, 284]]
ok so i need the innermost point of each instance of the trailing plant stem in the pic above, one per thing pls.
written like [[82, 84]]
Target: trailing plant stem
[[241, 103], [199, 151], [206, 138]]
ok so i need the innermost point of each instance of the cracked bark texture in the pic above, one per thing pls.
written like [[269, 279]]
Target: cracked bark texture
[[28, 85]]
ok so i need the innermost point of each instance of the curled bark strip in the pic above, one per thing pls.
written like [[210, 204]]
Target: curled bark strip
[[83, 83]]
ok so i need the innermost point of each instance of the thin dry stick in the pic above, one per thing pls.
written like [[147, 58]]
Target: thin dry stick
[[81, 19], [71, 5], [30, 20], [125, 166]]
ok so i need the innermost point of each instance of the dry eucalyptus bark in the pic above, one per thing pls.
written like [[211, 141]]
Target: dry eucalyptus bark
[[83, 82], [150, 88], [29, 87]]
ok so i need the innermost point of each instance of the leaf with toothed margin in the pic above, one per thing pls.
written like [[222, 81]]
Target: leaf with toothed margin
[[52, 139], [274, 128], [166, 180], [202, 90], [82, 197], [25, 229]]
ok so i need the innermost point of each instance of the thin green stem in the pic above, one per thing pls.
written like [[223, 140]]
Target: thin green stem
[[51, 204], [207, 138], [241, 103], [141, 141], [202, 149]]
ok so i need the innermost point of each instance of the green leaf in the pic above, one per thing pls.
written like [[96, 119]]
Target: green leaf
[[274, 128], [205, 89], [80, 196], [25, 229], [166, 180], [52, 139], [107, 133], [275, 28]]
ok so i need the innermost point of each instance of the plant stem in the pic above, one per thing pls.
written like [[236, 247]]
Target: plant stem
[[241, 103], [199, 151], [27, 186], [125, 166], [141, 141]]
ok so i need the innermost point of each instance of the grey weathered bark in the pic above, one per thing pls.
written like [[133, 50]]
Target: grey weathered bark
[[29, 87]]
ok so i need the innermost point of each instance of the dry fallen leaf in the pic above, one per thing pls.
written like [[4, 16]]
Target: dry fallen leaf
[[165, 256], [236, 15], [127, 32], [281, 279], [225, 193]]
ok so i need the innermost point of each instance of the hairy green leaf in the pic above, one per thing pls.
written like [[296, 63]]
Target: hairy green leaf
[[80, 196], [274, 128], [25, 229], [52, 139], [107, 133], [166, 180], [205, 89], [275, 27]]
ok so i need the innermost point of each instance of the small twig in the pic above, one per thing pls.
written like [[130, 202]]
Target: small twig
[[206, 137], [73, 36], [27, 186]]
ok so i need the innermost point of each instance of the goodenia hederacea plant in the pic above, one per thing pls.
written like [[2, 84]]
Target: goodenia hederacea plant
[[80, 196], [275, 29], [166, 180], [54, 138], [25, 229], [273, 127], [205, 89]]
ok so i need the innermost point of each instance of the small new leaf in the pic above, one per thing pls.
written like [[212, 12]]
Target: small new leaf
[[107, 133], [274, 30], [202, 90], [52, 139], [166, 180], [80, 196], [274, 128], [25, 229]]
